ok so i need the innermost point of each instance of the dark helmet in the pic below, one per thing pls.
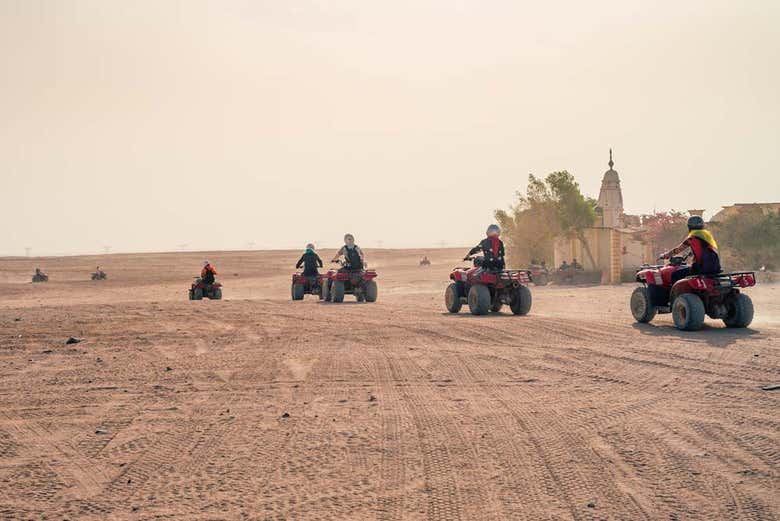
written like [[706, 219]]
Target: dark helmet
[[695, 222]]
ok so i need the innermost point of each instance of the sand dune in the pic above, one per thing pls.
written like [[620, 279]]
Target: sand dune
[[257, 407]]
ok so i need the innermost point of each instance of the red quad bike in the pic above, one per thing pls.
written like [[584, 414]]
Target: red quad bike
[[488, 290], [360, 283], [540, 276], [303, 285], [200, 289], [688, 299]]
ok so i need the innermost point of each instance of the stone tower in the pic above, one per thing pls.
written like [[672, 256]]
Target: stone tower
[[610, 204]]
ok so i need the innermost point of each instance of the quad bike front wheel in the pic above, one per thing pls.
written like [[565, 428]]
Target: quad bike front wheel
[[643, 310], [297, 291], [521, 300], [740, 311], [479, 299], [196, 294], [497, 305], [371, 291], [325, 291], [541, 280], [688, 312], [216, 294], [452, 298], [338, 291]]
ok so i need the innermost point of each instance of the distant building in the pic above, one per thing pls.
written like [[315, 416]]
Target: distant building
[[734, 209], [613, 239], [610, 203]]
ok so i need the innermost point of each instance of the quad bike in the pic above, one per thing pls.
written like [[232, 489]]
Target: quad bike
[[688, 299], [99, 275], [303, 285], [40, 277], [539, 275], [485, 290], [344, 281], [200, 289], [425, 262]]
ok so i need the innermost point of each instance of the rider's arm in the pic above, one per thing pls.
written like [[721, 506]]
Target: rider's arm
[[300, 262], [319, 261], [677, 249], [360, 252], [475, 249], [340, 252]]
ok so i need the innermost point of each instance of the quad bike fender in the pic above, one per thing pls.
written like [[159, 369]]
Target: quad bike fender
[[459, 275], [369, 275], [477, 276]]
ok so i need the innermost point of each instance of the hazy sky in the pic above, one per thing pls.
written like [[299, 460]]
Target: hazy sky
[[144, 125]]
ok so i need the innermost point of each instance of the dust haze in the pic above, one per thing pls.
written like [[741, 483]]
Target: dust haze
[[144, 126]]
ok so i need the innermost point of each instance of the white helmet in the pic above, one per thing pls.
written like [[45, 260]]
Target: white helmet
[[310, 246], [493, 229], [205, 263], [349, 237]]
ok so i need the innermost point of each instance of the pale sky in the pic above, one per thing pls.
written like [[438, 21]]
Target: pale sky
[[144, 125]]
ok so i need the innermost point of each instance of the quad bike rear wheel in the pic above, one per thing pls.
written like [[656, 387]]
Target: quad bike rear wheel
[[325, 291], [643, 310], [216, 294], [541, 280], [452, 298], [197, 294], [338, 291], [740, 311], [521, 300], [479, 299], [688, 312], [297, 291], [371, 291]]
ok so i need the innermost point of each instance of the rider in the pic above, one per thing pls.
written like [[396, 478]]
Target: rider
[[310, 261], [207, 273], [492, 248], [353, 255], [704, 248]]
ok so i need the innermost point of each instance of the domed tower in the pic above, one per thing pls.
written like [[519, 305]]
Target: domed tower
[[610, 204]]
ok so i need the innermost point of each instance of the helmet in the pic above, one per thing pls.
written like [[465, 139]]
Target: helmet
[[493, 229], [310, 246], [695, 222], [349, 237], [205, 263]]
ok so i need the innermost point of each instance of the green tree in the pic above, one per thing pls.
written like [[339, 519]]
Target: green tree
[[576, 212], [551, 207], [749, 239]]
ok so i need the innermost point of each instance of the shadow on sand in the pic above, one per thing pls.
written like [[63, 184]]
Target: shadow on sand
[[714, 336]]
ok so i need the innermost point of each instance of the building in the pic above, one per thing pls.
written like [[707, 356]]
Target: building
[[613, 240], [734, 209]]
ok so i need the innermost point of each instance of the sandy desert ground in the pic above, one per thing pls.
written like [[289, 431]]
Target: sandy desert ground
[[256, 407]]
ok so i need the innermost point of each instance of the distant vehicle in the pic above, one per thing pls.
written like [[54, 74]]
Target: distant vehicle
[[540, 275], [99, 275], [486, 291], [303, 285], [200, 289], [425, 262], [690, 298], [343, 281], [40, 276]]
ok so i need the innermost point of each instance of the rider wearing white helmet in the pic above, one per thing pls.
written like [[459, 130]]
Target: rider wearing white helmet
[[310, 262], [492, 249], [353, 255]]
